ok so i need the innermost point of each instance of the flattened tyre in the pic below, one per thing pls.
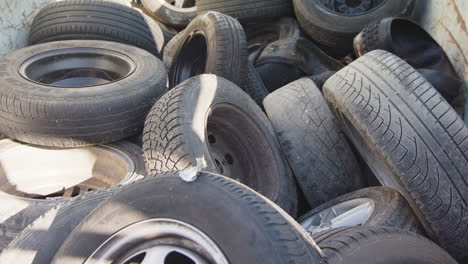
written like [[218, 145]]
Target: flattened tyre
[[217, 220], [211, 43], [316, 148], [411, 138], [209, 123], [247, 10], [77, 92], [383, 245], [334, 23], [96, 20], [374, 206], [176, 13]]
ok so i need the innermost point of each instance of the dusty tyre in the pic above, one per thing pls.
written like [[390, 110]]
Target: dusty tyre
[[335, 23], [247, 10], [96, 20], [195, 228], [315, 147], [44, 236], [374, 206], [209, 123], [211, 43], [176, 13], [410, 137], [254, 86], [384, 245], [77, 93], [55, 175]]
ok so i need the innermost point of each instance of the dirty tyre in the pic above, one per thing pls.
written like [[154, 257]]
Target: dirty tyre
[[78, 92], [410, 137], [211, 43], [381, 206], [337, 30], [254, 86], [170, 14], [42, 244], [96, 20], [316, 148], [278, 239], [384, 245], [247, 10], [189, 127]]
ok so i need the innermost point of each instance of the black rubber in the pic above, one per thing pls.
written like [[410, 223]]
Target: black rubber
[[169, 14], [210, 203], [384, 245], [38, 113], [411, 139], [337, 30], [409, 41], [390, 209], [301, 57], [316, 148], [247, 10], [211, 43], [206, 112], [40, 240], [254, 86], [96, 20]]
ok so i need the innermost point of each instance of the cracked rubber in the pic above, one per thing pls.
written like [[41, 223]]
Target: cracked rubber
[[210, 203], [75, 117], [411, 138], [247, 10], [96, 20], [316, 148], [175, 135], [384, 245]]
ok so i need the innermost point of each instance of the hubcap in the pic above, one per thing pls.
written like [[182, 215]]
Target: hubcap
[[350, 213]]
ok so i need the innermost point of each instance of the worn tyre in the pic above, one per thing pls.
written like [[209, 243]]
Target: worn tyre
[[173, 13], [373, 206], [209, 123], [410, 137], [78, 92], [316, 148], [326, 23], [211, 43], [96, 20], [278, 239], [247, 10], [384, 245], [299, 56], [44, 236], [254, 86]]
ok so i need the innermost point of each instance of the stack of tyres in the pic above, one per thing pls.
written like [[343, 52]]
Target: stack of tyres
[[243, 131]]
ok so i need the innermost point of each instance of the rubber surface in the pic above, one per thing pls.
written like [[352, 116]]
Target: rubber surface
[[410, 137], [210, 203], [316, 148], [175, 136], [73, 117], [168, 14], [382, 245], [247, 10], [96, 20]]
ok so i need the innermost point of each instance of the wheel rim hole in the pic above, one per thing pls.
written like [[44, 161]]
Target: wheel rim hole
[[177, 258], [211, 139], [229, 159], [220, 166], [353, 3]]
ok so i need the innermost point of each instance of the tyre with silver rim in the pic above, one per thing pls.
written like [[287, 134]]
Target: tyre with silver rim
[[374, 206], [176, 13], [54, 175], [214, 221]]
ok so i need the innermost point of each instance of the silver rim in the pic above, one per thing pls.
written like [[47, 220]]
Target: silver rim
[[350, 213], [158, 241], [186, 5]]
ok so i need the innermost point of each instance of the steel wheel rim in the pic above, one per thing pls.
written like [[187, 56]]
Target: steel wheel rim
[[76, 68], [349, 213], [147, 242], [351, 7]]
